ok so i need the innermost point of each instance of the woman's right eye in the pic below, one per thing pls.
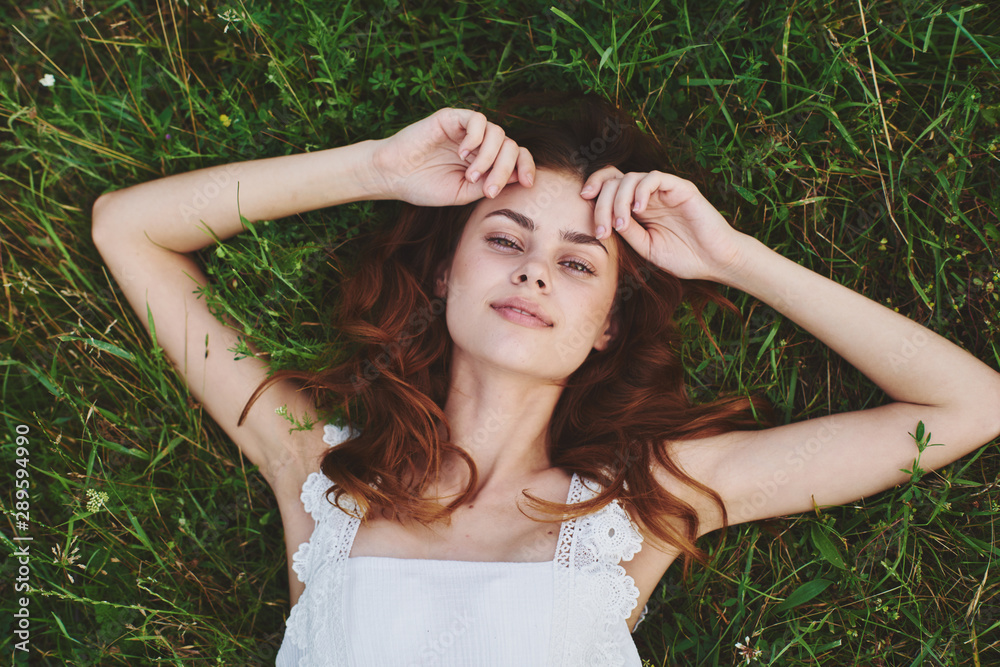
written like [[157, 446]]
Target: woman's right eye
[[495, 240]]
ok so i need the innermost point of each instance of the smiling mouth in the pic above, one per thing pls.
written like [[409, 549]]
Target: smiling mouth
[[522, 316]]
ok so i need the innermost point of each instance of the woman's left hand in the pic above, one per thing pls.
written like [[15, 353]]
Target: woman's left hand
[[666, 220]]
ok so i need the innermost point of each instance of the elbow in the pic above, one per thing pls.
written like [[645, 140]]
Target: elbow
[[985, 410], [100, 218], [994, 405]]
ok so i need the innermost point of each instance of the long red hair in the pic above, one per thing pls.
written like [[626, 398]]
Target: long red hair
[[390, 373]]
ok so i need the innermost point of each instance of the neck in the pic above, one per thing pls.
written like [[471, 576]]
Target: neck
[[501, 420]]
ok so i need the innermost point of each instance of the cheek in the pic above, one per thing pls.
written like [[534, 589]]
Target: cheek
[[589, 320], [462, 278]]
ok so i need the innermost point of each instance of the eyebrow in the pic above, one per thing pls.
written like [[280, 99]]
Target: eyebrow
[[566, 234]]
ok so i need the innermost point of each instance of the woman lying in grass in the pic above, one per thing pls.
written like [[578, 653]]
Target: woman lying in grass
[[519, 441]]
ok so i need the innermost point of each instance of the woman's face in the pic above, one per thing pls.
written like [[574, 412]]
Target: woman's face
[[535, 244]]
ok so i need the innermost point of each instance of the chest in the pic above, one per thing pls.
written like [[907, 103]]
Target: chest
[[482, 533], [572, 604], [495, 535]]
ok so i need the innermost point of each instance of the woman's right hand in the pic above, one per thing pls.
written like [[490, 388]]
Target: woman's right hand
[[452, 157]]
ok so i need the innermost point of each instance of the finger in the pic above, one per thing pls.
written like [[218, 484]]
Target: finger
[[677, 190], [488, 149], [635, 235], [501, 170], [673, 190], [475, 129], [592, 186], [622, 208], [603, 207], [652, 182], [525, 168]]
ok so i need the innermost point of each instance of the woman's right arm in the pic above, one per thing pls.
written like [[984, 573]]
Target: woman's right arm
[[144, 231], [170, 212]]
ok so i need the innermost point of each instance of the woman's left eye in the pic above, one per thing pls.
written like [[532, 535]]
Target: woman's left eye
[[496, 240], [581, 267]]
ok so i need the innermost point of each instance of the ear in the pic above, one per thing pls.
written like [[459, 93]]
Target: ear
[[441, 274], [610, 327]]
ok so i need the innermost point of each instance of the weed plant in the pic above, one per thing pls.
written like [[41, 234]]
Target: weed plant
[[860, 139]]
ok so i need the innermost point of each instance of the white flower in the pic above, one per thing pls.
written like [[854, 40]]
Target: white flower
[[96, 500], [746, 652], [67, 558], [48, 81]]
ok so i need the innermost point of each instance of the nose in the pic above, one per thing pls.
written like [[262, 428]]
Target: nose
[[533, 272], [532, 268]]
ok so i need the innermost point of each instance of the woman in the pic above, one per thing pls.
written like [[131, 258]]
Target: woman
[[513, 339]]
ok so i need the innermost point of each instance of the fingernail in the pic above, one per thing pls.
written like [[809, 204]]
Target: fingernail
[[530, 179], [493, 190], [635, 206], [619, 223], [474, 176], [600, 231], [587, 190]]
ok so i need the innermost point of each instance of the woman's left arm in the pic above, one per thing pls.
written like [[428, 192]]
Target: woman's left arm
[[830, 460]]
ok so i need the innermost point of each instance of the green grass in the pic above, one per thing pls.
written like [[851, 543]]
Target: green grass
[[871, 159]]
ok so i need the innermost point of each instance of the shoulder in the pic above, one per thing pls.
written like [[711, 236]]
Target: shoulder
[[610, 531], [299, 483], [699, 459]]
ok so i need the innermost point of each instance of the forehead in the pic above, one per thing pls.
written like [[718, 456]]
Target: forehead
[[553, 201]]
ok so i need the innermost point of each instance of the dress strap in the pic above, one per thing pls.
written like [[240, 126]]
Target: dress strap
[[593, 593], [315, 624]]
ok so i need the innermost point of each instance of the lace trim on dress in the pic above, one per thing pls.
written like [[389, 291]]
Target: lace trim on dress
[[309, 625], [593, 593], [642, 615], [593, 605]]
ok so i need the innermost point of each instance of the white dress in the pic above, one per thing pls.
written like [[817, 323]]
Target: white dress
[[374, 611]]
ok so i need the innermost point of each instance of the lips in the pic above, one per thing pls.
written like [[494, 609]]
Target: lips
[[525, 306]]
